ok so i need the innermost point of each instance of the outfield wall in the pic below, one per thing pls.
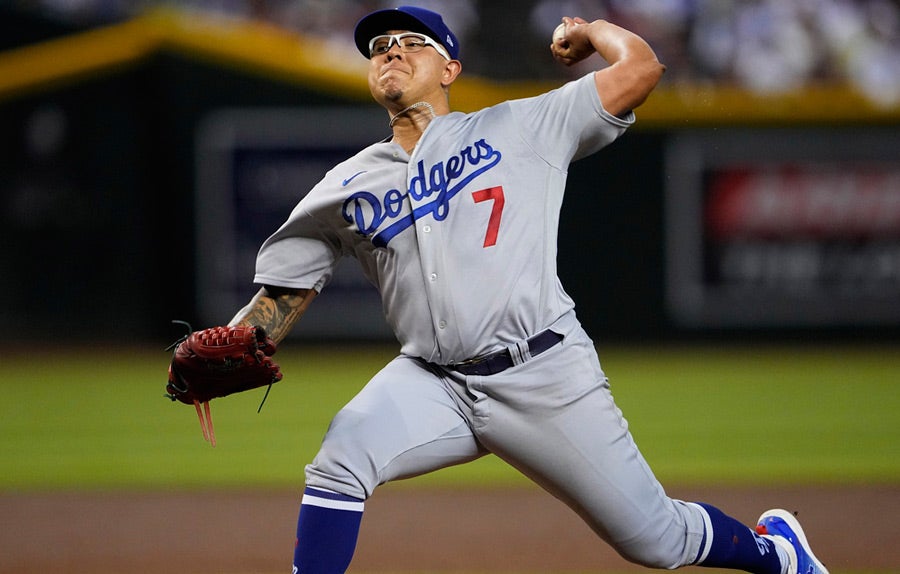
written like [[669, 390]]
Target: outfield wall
[[125, 153]]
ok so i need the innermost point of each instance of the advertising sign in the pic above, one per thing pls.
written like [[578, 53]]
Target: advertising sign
[[783, 229]]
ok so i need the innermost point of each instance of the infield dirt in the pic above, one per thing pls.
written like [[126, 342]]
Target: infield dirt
[[405, 529]]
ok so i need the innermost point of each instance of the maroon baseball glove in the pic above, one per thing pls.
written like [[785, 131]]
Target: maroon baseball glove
[[218, 362]]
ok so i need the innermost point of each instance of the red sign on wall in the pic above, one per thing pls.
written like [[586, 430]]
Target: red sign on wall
[[798, 201]]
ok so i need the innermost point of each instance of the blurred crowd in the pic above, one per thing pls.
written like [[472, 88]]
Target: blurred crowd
[[768, 46]]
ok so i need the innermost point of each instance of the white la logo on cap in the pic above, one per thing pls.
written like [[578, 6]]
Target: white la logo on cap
[[449, 40]]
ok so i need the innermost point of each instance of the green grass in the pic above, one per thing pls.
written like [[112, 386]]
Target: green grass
[[827, 414], [98, 420]]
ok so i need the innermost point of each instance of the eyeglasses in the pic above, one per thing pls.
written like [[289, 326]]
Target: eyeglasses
[[409, 42]]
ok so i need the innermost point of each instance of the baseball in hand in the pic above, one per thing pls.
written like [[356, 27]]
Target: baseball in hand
[[560, 32]]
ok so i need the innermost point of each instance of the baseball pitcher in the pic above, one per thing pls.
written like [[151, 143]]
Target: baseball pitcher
[[454, 217]]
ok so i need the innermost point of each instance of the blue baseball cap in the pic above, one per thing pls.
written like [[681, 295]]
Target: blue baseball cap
[[410, 18]]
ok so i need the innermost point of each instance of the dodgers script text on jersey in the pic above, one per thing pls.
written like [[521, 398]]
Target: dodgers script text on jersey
[[444, 180]]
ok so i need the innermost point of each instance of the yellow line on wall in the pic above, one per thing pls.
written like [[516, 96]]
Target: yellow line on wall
[[272, 52], [45, 65], [267, 50]]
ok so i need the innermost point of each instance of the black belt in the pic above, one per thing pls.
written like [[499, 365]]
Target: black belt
[[501, 360]]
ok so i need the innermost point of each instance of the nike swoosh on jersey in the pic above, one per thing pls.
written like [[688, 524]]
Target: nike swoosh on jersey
[[347, 181]]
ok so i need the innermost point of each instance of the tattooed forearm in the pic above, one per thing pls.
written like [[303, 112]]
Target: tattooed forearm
[[275, 310]]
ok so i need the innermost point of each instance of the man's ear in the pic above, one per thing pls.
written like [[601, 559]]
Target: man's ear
[[451, 70]]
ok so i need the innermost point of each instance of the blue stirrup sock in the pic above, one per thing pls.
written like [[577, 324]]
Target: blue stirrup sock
[[327, 529], [727, 543]]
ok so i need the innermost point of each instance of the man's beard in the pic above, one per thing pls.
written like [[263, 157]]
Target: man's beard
[[393, 94]]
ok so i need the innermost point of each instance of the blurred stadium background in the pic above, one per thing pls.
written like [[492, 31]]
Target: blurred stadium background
[[757, 196]]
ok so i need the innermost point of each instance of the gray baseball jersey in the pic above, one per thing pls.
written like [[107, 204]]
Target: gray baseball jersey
[[460, 239]]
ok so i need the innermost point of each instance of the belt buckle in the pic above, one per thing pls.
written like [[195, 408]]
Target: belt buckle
[[475, 360]]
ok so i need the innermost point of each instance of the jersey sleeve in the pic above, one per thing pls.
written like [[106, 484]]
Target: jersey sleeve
[[301, 254], [568, 123]]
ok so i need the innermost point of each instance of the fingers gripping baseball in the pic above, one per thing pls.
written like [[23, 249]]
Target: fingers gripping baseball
[[218, 362], [570, 43]]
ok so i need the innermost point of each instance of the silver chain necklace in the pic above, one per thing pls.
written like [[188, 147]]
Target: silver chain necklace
[[408, 108]]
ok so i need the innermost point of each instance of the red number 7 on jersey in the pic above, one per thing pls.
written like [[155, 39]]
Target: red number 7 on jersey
[[495, 194]]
